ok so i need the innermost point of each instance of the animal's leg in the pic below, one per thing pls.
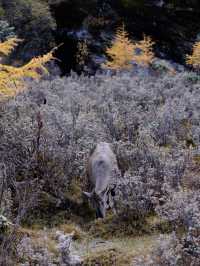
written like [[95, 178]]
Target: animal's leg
[[98, 214]]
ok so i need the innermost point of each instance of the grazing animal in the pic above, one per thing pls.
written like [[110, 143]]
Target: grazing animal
[[102, 170]]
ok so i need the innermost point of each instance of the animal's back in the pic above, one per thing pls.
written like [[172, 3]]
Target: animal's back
[[101, 166]]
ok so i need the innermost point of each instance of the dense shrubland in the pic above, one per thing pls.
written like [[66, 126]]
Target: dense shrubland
[[181, 247], [152, 121]]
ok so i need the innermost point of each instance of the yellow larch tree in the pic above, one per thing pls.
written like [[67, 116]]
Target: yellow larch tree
[[121, 52], [8, 46], [194, 58], [12, 79], [145, 54]]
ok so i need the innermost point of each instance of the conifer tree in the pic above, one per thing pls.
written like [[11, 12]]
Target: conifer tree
[[124, 52], [194, 58], [145, 55], [121, 52], [12, 79], [8, 46]]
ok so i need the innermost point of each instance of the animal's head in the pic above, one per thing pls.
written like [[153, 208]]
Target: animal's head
[[98, 201]]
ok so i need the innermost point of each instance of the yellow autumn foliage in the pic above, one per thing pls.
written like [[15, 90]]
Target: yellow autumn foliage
[[12, 79], [123, 52], [194, 58], [146, 54], [8, 46]]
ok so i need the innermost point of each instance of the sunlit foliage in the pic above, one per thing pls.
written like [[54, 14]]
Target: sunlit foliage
[[8, 46], [194, 58], [12, 79], [145, 55], [121, 51]]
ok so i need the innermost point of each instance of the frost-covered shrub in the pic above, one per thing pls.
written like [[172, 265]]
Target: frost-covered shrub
[[66, 254], [181, 209], [149, 175], [47, 250], [29, 253], [132, 197], [6, 203], [170, 250], [182, 247], [46, 133], [173, 249]]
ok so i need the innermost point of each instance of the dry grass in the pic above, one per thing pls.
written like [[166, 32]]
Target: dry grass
[[123, 226], [115, 226], [119, 251], [74, 192], [69, 228], [107, 257]]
